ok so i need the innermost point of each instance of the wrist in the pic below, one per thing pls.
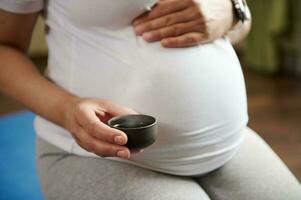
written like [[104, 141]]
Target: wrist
[[233, 19], [241, 16], [66, 105], [241, 11]]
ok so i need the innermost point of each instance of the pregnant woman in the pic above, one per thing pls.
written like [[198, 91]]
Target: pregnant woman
[[100, 66]]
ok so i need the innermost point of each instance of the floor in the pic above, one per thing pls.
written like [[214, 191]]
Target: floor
[[274, 112]]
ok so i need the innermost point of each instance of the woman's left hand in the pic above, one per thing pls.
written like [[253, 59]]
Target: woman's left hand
[[183, 23]]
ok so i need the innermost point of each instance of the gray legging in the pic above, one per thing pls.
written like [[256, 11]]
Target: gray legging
[[255, 173]]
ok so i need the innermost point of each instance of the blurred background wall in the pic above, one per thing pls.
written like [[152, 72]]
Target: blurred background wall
[[274, 44], [271, 61], [38, 47]]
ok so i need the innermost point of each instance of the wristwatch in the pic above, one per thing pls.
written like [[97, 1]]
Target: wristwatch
[[241, 10]]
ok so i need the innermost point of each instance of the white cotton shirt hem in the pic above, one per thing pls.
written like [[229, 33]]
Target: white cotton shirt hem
[[210, 161]]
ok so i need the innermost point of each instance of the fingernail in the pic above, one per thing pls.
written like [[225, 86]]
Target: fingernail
[[122, 154], [138, 30], [165, 42], [147, 36], [119, 140]]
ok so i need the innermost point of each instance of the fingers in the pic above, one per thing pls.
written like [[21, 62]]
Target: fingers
[[163, 8], [92, 134], [185, 15], [136, 151], [174, 30], [176, 23], [88, 120], [186, 40], [116, 109], [99, 147]]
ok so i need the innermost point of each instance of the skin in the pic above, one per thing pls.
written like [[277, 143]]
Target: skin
[[185, 23], [86, 118]]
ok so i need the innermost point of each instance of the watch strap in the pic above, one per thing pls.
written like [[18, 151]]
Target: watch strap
[[241, 10]]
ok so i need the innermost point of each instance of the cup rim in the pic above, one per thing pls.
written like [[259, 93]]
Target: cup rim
[[143, 127]]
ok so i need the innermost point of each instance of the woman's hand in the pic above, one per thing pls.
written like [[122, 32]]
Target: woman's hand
[[86, 119], [182, 23]]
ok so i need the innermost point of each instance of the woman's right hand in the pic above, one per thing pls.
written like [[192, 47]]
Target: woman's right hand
[[86, 119]]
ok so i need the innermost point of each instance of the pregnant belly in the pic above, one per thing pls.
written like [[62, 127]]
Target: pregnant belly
[[197, 94], [191, 87]]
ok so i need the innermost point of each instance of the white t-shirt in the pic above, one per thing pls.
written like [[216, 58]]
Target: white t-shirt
[[197, 93]]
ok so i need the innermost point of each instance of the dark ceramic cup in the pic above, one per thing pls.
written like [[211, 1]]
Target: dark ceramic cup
[[140, 129]]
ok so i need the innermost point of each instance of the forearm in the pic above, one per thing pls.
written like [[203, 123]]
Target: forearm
[[20, 79]]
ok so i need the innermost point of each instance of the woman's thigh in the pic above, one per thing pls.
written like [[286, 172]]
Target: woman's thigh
[[66, 176], [256, 172]]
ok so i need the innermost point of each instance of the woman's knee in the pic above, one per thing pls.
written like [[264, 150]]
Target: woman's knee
[[256, 172], [160, 186]]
